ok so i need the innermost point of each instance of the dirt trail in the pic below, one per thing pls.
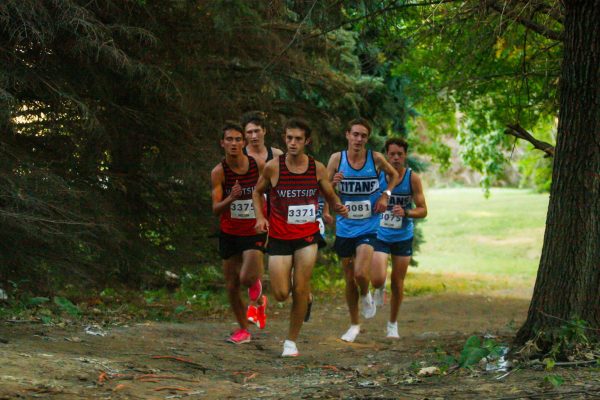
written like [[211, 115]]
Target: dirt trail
[[65, 363]]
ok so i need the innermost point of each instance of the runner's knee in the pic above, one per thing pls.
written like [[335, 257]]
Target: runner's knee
[[378, 282], [280, 295], [248, 278]]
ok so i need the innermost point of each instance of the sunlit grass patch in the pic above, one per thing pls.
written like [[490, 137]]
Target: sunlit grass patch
[[466, 233]]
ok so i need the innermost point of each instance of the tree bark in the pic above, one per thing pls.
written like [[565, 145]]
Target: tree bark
[[568, 279]]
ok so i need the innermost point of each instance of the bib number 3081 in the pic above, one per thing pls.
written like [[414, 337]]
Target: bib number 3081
[[359, 209], [389, 220], [242, 209], [301, 214]]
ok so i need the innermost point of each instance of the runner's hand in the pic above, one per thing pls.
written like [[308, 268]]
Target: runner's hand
[[341, 209], [337, 178], [398, 211], [327, 218], [381, 204], [236, 191], [262, 225]]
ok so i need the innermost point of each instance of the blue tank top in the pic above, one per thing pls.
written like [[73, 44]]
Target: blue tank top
[[390, 230], [359, 190]]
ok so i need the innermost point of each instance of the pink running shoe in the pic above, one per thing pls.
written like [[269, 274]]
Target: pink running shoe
[[252, 314], [255, 290], [261, 314], [240, 336]]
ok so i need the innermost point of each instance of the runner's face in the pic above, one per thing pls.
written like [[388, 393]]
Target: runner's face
[[396, 155], [357, 137], [232, 142], [295, 141], [255, 134]]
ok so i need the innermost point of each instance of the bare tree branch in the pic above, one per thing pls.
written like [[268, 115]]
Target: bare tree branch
[[519, 132], [395, 5], [534, 26]]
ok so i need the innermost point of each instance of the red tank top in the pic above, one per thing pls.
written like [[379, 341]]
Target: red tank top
[[294, 203], [239, 219]]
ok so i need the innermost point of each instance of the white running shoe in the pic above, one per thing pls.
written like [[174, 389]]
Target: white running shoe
[[392, 330], [289, 349], [379, 296], [368, 306], [351, 334]]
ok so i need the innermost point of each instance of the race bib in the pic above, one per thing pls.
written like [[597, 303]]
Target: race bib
[[358, 209], [389, 220], [242, 209], [301, 214]]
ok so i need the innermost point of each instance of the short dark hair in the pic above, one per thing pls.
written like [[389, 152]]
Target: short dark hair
[[231, 126], [398, 142], [359, 121], [298, 123], [255, 117]]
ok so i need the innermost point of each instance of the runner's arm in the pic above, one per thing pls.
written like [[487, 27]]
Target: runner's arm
[[220, 204], [420, 210], [387, 168], [258, 198], [334, 176], [328, 191]]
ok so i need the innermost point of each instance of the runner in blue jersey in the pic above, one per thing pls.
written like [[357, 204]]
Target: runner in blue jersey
[[355, 174], [395, 231]]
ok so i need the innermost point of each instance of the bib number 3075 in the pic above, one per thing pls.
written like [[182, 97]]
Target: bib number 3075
[[359, 209], [389, 220], [242, 209], [301, 214]]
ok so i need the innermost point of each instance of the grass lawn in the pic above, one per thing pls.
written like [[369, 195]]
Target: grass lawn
[[494, 242]]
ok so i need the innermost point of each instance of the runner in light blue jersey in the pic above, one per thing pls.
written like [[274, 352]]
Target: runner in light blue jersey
[[395, 232], [355, 174]]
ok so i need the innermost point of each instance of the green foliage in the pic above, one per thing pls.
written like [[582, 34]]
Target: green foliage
[[554, 380], [66, 306], [471, 69], [571, 340], [473, 351], [105, 107]]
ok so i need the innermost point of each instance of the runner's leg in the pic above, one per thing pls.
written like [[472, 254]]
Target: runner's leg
[[280, 268], [304, 261], [379, 268], [252, 268], [231, 271], [362, 264], [399, 268], [351, 290]]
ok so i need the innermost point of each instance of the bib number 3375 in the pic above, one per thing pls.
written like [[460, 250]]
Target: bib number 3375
[[242, 209], [301, 214]]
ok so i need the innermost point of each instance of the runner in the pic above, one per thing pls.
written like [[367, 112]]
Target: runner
[[233, 181], [293, 181], [355, 173], [395, 232], [255, 129]]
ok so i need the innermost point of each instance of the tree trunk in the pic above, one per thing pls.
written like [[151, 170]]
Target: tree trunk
[[568, 279]]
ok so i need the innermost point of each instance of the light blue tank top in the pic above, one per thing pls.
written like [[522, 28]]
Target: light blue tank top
[[402, 194], [359, 190]]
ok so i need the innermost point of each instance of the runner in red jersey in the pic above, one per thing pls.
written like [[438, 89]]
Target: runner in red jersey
[[241, 248], [294, 181]]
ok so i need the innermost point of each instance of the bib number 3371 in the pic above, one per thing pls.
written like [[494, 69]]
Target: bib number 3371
[[301, 214], [242, 209], [359, 209]]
